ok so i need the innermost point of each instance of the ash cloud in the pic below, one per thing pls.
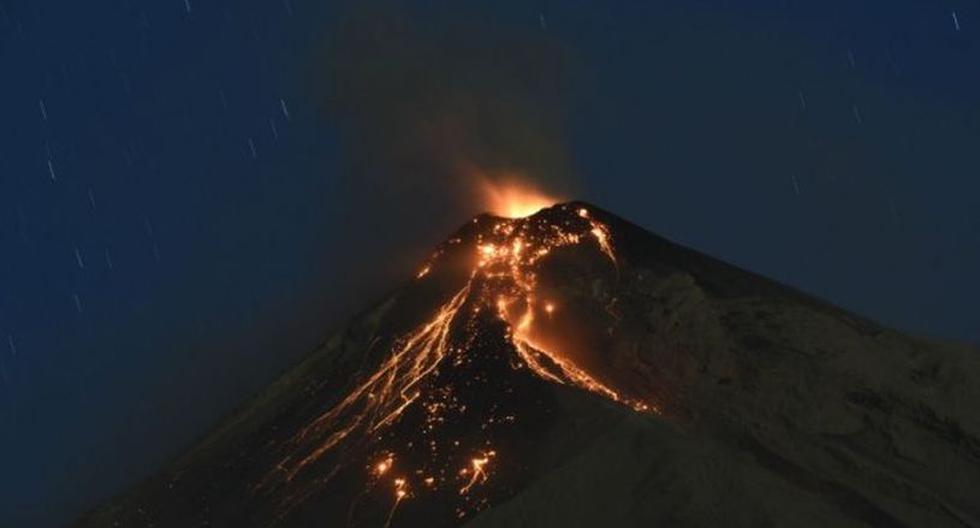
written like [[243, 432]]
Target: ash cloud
[[430, 104]]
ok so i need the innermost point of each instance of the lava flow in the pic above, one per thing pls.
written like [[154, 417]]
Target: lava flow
[[503, 284]]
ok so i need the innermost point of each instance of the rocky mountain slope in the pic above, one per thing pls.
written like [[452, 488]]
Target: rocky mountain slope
[[572, 369]]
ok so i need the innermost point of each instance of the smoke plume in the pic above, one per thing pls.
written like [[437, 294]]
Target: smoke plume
[[434, 105]]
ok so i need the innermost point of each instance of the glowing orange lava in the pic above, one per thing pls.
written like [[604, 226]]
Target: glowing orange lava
[[476, 472], [502, 281], [400, 493], [514, 199]]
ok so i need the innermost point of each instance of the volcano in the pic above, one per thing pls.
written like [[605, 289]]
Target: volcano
[[568, 368]]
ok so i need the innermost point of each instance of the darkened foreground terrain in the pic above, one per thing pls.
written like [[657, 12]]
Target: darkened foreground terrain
[[571, 369]]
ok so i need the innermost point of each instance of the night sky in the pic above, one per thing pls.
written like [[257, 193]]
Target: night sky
[[194, 193]]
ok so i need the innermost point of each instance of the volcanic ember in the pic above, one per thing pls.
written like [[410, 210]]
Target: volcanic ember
[[429, 369]]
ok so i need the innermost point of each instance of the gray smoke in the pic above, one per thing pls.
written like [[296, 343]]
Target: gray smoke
[[429, 103]]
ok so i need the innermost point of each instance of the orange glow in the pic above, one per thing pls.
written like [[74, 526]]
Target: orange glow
[[514, 199], [476, 472], [504, 277], [382, 467], [400, 494]]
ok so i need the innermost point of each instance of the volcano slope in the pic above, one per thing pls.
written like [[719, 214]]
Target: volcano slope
[[572, 369]]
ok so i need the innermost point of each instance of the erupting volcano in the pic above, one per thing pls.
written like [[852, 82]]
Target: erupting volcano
[[502, 284], [553, 365]]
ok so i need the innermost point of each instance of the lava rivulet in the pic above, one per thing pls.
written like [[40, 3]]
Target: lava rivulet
[[502, 283]]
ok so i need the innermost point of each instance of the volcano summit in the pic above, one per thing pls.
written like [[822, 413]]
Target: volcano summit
[[570, 369]]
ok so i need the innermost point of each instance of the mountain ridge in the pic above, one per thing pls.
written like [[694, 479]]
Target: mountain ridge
[[781, 390]]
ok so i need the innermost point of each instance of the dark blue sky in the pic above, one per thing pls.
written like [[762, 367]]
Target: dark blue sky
[[177, 220]]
